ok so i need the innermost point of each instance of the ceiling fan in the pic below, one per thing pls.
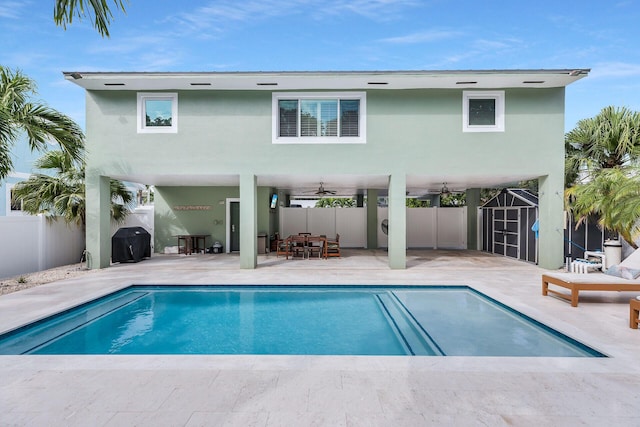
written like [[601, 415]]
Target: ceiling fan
[[444, 190], [322, 192]]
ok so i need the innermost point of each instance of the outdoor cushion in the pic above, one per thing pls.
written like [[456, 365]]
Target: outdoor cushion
[[623, 272], [630, 273], [614, 270]]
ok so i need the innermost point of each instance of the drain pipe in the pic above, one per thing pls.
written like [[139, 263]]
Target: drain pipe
[[86, 257]]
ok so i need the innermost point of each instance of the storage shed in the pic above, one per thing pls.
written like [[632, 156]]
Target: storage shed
[[507, 224]]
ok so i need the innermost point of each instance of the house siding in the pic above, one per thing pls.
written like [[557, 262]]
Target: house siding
[[409, 132]]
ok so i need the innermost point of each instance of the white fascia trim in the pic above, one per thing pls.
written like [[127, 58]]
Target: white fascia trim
[[362, 124]]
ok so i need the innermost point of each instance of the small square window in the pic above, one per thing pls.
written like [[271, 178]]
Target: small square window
[[157, 112], [483, 111], [13, 205], [16, 204]]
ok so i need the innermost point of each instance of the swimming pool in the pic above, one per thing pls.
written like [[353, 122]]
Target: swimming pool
[[299, 320]]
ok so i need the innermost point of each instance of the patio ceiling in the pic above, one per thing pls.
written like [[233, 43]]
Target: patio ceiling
[[344, 185]]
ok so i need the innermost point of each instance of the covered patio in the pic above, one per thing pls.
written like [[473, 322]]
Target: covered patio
[[234, 210]]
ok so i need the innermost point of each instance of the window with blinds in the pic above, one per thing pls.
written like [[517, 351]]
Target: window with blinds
[[318, 118]]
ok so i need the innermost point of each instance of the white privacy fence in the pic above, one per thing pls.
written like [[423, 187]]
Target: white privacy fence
[[349, 223], [444, 228], [433, 228], [30, 243]]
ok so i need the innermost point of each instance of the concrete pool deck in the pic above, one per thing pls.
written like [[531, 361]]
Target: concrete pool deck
[[329, 390]]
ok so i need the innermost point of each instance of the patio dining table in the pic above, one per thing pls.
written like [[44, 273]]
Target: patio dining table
[[305, 243], [192, 242]]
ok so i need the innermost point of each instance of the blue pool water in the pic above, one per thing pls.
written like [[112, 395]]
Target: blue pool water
[[330, 320]]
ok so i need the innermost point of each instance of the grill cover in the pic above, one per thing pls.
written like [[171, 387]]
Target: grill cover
[[130, 244]]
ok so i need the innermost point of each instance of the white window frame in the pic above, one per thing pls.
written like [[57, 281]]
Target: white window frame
[[8, 210], [498, 96], [141, 112], [362, 120]]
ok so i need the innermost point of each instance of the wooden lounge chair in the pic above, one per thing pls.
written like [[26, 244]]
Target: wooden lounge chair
[[577, 282], [634, 313]]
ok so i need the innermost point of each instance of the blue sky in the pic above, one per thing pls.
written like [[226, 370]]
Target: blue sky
[[310, 35]]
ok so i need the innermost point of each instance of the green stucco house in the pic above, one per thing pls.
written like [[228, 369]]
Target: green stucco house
[[217, 146]]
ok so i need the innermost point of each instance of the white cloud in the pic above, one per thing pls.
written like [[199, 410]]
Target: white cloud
[[129, 44], [471, 50], [376, 10], [423, 37], [615, 70], [11, 9], [220, 14], [485, 45]]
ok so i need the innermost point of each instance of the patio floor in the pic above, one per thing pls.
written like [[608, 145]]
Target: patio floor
[[329, 390]]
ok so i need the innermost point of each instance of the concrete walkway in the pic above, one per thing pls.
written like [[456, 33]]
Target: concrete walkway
[[329, 390]]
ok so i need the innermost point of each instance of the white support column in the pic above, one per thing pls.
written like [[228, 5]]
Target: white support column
[[550, 214], [397, 221], [248, 221], [98, 221]]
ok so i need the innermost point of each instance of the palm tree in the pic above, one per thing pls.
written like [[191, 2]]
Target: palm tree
[[610, 139], [40, 123], [601, 172], [63, 194], [65, 10], [335, 202], [613, 197]]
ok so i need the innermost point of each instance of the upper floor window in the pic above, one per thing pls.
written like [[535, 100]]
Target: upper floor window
[[157, 112], [322, 118], [483, 111]]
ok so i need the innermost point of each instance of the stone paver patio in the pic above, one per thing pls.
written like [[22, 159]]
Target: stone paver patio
[[329, 390]]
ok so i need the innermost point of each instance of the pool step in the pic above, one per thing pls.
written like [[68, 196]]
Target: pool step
[[17, 343], [412, 336]]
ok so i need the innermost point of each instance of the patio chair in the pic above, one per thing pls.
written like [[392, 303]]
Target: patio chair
[[628, 280], [298, 245], [315, 245], [332, 247], [283, 246]]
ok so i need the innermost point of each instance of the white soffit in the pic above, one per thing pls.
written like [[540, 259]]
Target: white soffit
[[347, 80]]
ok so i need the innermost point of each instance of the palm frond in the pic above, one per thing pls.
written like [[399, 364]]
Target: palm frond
[[38, 122], [98, 10], [43, 124], [63, 194]]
